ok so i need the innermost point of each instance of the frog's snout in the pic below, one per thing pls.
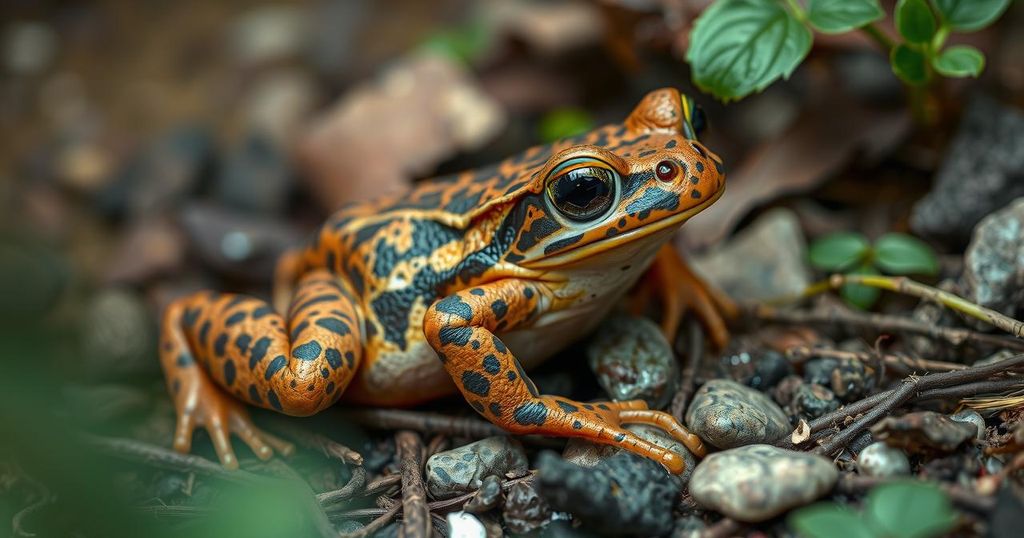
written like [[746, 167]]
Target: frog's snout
[[694, 172]]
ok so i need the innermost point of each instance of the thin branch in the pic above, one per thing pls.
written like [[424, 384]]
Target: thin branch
[[314, 441], [904, 285], [903, 363], [418, 421], [372, 527], [694, 356], [415, 512], [881, 323]]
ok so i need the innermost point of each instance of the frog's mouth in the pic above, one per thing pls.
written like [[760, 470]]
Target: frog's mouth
[[589, 250]]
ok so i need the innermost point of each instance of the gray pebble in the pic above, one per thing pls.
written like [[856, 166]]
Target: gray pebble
[[757, 482], [970, 416], [880, 459], [462, 470], [727, 414], [633, 361]]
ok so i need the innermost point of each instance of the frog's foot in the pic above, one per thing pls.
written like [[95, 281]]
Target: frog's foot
[[604, 422], [681, 291], [200, 403]]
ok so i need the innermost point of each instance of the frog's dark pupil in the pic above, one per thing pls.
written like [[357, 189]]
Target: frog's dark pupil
[[582, 193]]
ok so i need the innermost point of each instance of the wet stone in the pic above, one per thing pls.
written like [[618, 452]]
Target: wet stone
[[765, 261], [770, 368], [924, 432], [993, 274], [462, 470], [880, 459], [489, 496], [625, 494], [982, 169], [811, 401], [633, 360], [785, 390], [849, 380], [588, 454], [970, 416], [757, 482], [525, 510], [727, 414]]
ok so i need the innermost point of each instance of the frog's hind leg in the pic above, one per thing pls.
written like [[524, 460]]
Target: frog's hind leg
[[462, 327], [215, 345]]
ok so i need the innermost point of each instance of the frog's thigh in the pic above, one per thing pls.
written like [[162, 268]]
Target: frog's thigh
[[297, 365]]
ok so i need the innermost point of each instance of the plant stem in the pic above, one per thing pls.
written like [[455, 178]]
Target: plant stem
[[878, 37], [909, 287], [798, 10]]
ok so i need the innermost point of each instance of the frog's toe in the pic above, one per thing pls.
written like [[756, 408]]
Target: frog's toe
[[222, 443], [183, 432], [627, 440], [667, 423]]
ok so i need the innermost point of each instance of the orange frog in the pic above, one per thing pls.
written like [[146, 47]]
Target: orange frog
[[464, 283]]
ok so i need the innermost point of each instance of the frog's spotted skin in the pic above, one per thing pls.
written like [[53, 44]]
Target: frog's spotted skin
[[482, 270]]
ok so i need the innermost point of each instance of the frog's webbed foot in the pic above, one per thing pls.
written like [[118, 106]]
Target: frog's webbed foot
[[604, 422], [680, 291], [200, 403]]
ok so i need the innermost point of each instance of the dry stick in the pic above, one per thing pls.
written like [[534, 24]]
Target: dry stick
[[399, 419], [694, 356], [911, 385], [881, 323], [372, 527], [907, 286], [906, 364], [314, 441], [416, 522], [156, 456], [454, 502]]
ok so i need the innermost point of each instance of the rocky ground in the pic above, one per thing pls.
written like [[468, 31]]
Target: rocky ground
[[153, 149]]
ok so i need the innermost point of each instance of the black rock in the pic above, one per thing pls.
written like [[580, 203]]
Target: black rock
[[983, 170], [255, 176], [812, 401], [623, 495], [850, 380], [525, 510], [770, 367], [819, 371]]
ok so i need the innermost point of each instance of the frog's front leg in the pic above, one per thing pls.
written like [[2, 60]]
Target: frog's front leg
[[218, 350], [461, 328]]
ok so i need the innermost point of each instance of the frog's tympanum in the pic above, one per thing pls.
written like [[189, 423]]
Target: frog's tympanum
[[464, 283]]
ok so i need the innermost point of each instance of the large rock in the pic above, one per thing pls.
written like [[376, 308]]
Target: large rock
[[765, 261], [982, 169], [633, 360], [727, 414], [462, 470], [758, 482], [994, 263]]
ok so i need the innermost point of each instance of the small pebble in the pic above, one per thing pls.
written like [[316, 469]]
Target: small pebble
[[771, 367], [811, 401], [880, 459], [633, 360], [463, 525], [525, 510], [819, 371], [461, 470], [970, 416], [994, 261], [849, 380], [489, 496], [757, 482], [727, 414]]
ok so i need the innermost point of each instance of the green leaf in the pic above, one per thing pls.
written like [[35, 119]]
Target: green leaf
[[466, 43], [838, 251], [902, 254], [959, 61], [563, 123], [908, 64], [738, 47], [969, 15], [915, 21], [909, 509], [862, 297], [835, 16], [828, 520]]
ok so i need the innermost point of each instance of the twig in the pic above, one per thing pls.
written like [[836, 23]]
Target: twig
[[445, 504], [418, 421], [903, 363], [351, 489], [902, 284], [851, 484], [416, 520], [881, 323], [694, 356], [314, 441], [156, 456], [907, 389], [372, 527], [382, 483]]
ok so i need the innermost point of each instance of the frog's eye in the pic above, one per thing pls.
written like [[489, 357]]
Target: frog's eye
[[583, 193], [698, 120]]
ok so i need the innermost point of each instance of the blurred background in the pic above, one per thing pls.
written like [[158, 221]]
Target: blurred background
[[152, 148]]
